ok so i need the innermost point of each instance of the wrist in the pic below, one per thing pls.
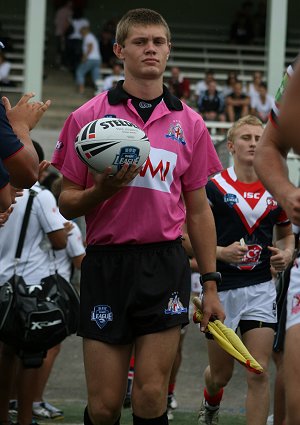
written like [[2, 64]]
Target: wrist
[[210, 279]]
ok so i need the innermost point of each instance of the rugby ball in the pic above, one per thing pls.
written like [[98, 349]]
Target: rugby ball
[[111, 142]]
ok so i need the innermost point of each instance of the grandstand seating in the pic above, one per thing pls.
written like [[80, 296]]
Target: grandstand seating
[[195, 50]]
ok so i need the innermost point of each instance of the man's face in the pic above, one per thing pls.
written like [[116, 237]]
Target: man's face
[[245, 140], [145, 51]]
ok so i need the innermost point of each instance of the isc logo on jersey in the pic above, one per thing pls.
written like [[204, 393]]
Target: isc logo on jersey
[[252, 195]]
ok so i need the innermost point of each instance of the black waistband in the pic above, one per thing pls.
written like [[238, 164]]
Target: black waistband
[[133, 247]]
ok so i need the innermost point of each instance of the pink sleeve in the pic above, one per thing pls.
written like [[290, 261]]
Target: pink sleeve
[[205, 162]]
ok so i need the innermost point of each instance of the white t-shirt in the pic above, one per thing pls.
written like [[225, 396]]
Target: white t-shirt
[[35, 262], [95, 52], [63, 257], [110, 80], [261, 107], [77, 25], [4, 71]]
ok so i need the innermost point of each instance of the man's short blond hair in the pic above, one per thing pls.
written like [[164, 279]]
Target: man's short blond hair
[[247, 120], [139, 17]]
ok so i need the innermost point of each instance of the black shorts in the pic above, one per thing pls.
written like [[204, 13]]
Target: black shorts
[[133, 290]]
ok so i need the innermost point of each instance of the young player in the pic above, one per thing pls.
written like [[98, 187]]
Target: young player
[[280, 135], [135, 281], [246, 216]]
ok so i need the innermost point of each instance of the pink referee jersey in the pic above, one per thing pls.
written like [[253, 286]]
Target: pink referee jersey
[[150, 208]]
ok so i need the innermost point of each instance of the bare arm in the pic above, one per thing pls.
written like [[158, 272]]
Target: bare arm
[[282, 253], [75, 201], [58, 239], [271, 168], [24, 165], [289, 122], [201, 229]]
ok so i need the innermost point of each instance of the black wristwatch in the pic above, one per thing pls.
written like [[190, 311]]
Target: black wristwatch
[[216, 276]]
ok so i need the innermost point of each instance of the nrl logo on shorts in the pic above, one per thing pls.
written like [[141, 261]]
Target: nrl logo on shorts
[[231, 199], [175, 306], [102, 314], [127, 155]]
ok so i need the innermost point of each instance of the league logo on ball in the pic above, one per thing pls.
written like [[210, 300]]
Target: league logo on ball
[[127, 155]]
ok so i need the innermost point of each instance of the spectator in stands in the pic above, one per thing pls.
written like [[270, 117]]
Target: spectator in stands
[[91, 59], [237, 104], [241, 31], [179, 85], [230, 82], [202, 84], [106, 41], [262, 104], [253, 87], [117, 74], [62, 22], [211, 104], [74, 40], [5, 67]]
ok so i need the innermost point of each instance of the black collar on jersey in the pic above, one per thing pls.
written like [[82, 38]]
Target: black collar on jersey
[[118, 95]]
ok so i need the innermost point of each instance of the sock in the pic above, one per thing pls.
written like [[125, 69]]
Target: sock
[[171, 388], [87, 419], [215, 399], [130, 376], [161, 420]]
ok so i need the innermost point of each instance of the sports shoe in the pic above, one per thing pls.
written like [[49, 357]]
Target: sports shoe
[[13, 407], [172, 402], [270, 420], [45, 410], [170, 414], [208, 416], [171, 405]]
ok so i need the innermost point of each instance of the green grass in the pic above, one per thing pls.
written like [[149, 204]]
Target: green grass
[[74, 414]]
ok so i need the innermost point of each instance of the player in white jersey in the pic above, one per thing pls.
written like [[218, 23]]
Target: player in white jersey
[[45, 222], [270, 163]]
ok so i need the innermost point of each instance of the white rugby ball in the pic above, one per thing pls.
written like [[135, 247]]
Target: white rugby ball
[[111, 142]]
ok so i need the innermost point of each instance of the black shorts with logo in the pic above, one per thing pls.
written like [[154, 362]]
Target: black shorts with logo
[[133, 290]]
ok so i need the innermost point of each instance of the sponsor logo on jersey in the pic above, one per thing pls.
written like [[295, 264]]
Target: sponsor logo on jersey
[[230, 199], [110, 116], [175, 306], [144, 105], [102, 314], [157, 171], [251, 259], [252, 195], [296, 304], [176, 133], [271, 203], [127, 155]]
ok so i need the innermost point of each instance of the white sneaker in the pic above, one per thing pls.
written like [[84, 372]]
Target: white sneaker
[[172, 402], [45, 410], [270, 420]]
